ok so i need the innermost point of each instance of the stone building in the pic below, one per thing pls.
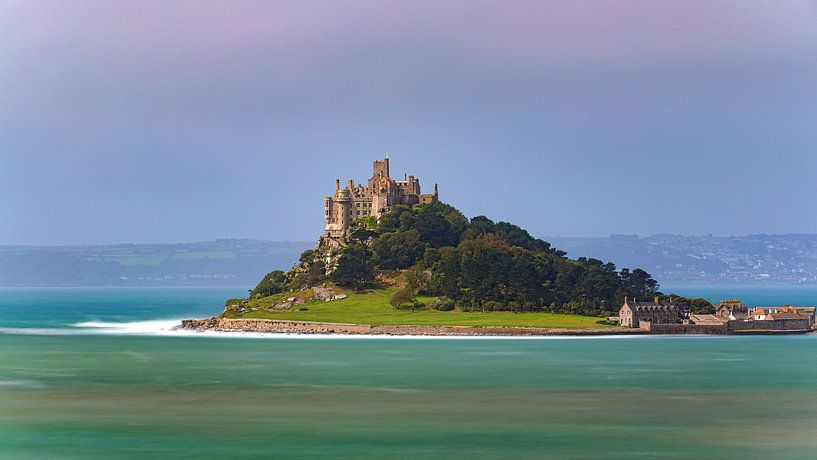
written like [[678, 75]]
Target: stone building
[[732, 310], [370, 200], [787, 312], [632, 313]]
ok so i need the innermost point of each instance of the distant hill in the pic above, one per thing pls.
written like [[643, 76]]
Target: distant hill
[[752, 259], [219, 262]]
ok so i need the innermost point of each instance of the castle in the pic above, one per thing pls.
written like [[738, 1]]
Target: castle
[[373, 199]]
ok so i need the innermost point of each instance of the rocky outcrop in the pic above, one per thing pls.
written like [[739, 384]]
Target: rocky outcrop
[[311, 327], [323, 293], [327, 294], [287, 304]]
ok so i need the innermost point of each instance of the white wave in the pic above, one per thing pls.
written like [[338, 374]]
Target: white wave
[[133, 327], [20, 383], [40, 331]]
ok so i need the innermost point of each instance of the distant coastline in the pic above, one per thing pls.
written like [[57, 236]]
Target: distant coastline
[[788, 260]]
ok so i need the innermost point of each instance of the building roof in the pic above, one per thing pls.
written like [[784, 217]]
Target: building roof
[[731, 305], [786, 315], [784, 308], [706, 319], [649, 306]]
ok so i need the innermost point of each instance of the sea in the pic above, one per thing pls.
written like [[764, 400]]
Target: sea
[[99, 373]]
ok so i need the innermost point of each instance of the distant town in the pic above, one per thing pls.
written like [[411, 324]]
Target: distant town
[[752, 259]]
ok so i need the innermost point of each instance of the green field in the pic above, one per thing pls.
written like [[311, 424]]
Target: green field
[[372, 307]]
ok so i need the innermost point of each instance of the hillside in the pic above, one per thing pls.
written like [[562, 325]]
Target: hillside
[[430, 258]]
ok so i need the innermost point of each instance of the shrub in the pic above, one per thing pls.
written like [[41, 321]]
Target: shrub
[[443, 304], [402, 296]]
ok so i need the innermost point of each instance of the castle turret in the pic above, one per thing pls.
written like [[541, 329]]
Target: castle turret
[[381, 168]]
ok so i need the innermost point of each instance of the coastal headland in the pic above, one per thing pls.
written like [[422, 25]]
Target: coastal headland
[[395, 261]]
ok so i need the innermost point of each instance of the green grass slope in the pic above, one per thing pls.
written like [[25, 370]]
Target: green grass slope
[[372, 307]]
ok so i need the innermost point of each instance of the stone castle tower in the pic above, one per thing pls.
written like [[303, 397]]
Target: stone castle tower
[[372, 199]]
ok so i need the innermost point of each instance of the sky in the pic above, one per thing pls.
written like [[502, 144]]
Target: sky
[[176, 121]]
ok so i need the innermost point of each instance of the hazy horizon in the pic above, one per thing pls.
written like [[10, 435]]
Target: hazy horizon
[[150, 122], [312, 240]]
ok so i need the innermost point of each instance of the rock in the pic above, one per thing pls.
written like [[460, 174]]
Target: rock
[[282, 305], [341, 296], [323, 293], [290, 299]]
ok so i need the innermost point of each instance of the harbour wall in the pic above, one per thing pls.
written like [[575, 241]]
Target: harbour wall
[[729, 327]]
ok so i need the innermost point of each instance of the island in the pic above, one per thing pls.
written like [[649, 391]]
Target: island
[[395, 261]]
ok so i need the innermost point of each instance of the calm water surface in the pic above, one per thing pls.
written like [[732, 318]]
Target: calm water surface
[[89, 373]]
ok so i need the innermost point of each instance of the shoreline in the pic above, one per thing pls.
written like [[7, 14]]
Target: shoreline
[[293, 327], [218, 324]]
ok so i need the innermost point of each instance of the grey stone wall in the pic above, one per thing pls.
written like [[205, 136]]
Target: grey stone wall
[[683, 328], [779, 325], [729, 327]]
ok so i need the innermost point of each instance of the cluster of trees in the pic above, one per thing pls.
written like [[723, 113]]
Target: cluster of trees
[[689, 305], [274, 283], [483, 265]]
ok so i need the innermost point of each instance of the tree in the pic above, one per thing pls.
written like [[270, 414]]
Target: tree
[[446, 272], [353, 269], [398, 250], [417, 280], [403, 296], [274, 283], [307, 256], [363, 236], [484, 266]]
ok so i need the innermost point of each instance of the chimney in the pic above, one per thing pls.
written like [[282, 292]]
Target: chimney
[[351, 184], [337, 184]]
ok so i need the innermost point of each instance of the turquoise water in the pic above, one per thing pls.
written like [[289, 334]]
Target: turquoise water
[[750, 295], [90, 373]]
